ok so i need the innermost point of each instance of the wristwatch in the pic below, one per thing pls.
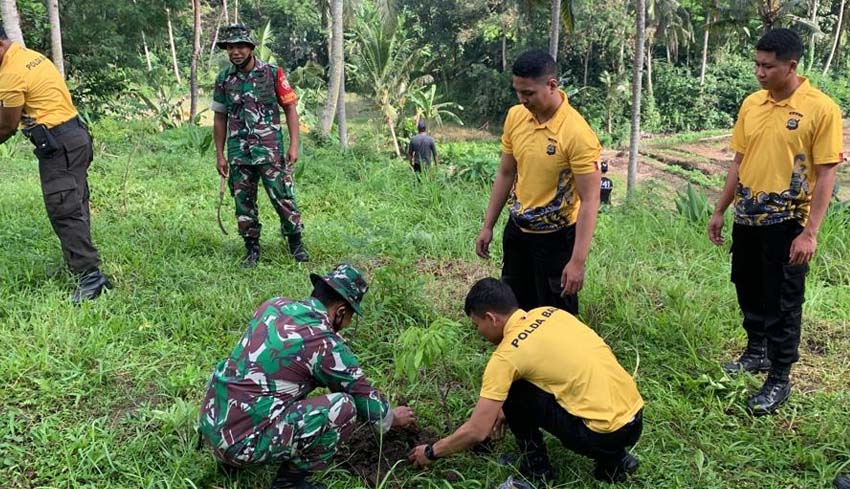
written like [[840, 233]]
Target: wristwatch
[[429, 452]]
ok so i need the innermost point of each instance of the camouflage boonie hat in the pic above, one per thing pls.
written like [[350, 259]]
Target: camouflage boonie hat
[[348, 283], [232, 34]]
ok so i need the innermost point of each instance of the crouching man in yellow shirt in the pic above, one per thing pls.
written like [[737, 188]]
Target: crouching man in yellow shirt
[[549, 371]]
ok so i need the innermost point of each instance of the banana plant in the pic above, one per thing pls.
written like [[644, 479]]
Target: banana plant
[[429, 106]]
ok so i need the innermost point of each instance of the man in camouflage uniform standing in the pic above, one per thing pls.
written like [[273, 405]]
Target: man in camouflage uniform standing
[[246, 101], [256, 409]]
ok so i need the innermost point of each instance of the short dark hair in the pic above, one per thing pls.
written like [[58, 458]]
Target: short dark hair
[[3, 35], [326, 294], [489, 295], [421, 126], [784, 43], [534, 64]]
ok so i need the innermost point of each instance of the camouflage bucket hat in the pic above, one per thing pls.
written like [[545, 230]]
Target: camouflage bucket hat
[[232, 34], [348, 282]]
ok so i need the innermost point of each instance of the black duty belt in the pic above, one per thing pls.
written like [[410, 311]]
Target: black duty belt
[[69, 125]]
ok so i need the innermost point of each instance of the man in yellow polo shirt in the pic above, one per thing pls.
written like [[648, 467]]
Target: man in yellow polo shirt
[[33, 91], [549, 170], [549, 371], [787, 143]]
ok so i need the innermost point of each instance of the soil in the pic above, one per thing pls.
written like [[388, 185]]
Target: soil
[[371, 458]]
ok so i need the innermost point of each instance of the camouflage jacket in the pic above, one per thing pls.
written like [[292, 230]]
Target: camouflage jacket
[[288, 350], [252, 103]]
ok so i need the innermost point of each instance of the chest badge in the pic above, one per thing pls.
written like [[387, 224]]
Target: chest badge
[[550, 150], [792, 124]]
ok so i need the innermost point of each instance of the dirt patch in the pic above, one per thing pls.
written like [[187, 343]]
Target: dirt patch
[[450, 280], [371, 457]]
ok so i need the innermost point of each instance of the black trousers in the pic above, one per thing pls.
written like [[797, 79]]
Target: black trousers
[[64, 185], [770, 291], [533, 263], [529, 408]]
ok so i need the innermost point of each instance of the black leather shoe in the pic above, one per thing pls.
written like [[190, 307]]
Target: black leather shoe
[[772, 394], [841, 482], [535, 467], [618, 471], [252, 255], [92, 284], [752, 360], [296, 247]]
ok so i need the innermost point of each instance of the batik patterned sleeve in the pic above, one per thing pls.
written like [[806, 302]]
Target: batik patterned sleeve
[[339, 370], [284, 91]]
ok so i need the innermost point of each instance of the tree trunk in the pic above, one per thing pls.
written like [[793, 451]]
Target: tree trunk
[[215, 39], [704, 50], [504, 52], [196, 56], [236, 12], [392, 133], [640, 8], [341, 122], [12, 21], [837, 37], [814, 19], [648, 56], [587, 63], [334, 68], [226, 13], [555, 29], [56, 35], [147, 51], [173, 49]]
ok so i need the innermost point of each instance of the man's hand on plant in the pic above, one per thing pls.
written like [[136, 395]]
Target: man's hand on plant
[[417, 457], [403, 417]]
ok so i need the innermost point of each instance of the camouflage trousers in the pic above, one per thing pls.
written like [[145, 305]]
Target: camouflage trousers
[[305, 436], [277, 179]]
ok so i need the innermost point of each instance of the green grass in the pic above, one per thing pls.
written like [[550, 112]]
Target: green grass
[[106, 395]]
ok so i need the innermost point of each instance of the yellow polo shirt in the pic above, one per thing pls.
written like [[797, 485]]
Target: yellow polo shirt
[[556, 352], [781, 143], [544, 197], [29, 80]]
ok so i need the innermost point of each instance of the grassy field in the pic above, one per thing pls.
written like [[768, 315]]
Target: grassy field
[[106, 395]]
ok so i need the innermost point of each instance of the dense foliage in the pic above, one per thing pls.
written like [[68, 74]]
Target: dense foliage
[[464, 48]]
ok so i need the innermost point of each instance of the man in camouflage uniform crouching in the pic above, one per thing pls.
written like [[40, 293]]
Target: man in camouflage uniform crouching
[[246, 101], [256, 409]]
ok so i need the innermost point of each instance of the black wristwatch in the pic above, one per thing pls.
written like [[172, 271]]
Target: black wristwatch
[[429, 452]]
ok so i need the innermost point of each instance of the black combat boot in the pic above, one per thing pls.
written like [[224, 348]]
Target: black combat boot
[[252, 255], [92, 284], [841, 482], [616, 472], [775, 391], [296, 247], [289, 478], [752, 360]]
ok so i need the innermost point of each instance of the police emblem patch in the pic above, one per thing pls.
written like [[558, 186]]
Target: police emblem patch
[[550, 150], [792, 124]]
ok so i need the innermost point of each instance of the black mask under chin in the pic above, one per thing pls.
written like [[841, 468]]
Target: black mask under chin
[[243, 64]]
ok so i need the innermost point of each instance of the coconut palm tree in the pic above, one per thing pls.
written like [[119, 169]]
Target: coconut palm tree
[[12, 21], [386, 61]]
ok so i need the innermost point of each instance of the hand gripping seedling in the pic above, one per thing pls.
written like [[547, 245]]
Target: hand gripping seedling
[[220, 201]]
